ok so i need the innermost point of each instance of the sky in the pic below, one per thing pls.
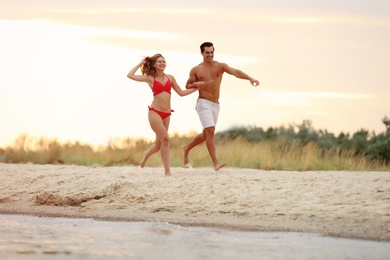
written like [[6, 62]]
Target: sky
[[63, 65]]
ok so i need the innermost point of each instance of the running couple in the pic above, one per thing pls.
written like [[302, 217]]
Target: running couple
[[206, 77]]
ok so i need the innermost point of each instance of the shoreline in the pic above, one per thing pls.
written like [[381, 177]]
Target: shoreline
[[345, 204]]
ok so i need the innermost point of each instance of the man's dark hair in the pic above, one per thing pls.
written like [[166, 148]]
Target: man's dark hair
[[206, 44]]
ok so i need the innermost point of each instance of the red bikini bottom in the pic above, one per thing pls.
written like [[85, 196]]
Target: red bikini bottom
[[162, 114]]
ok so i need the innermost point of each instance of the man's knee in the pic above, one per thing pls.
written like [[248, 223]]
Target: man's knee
[[209, 131]]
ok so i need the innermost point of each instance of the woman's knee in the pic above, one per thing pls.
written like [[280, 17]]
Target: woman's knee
[[165, 140]]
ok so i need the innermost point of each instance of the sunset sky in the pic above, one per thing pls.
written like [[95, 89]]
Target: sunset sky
[[63, 64]]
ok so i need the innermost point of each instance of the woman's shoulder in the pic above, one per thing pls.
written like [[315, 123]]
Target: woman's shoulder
[[170, 77], [149, 79]]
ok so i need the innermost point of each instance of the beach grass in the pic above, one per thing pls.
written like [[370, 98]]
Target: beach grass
[[266, 155]]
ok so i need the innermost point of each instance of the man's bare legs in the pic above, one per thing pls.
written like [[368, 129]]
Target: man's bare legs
[[160, 127], [211, 148], [198, 139], [208, 136]]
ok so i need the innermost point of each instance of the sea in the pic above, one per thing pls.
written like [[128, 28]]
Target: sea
[[34, 237]]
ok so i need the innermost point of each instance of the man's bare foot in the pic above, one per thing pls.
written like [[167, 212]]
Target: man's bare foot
[[185, 152], [219, 166], [168, 174]]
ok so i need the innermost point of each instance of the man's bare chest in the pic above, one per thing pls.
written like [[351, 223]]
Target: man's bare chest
[[210, 74]]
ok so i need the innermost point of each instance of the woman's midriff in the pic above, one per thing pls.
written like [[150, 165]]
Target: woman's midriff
[[160, 103]]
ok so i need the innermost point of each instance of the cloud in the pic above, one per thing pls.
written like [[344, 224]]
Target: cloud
[[306, 99], [130, 10], [317, 95], [96, 11], [296, 20], [305, 19], [330, 19], [43, 27]]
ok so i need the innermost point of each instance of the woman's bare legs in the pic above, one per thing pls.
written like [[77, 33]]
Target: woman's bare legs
[[160, 127], [154, 148]]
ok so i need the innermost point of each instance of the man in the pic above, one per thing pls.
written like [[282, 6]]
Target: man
[[207, 77]]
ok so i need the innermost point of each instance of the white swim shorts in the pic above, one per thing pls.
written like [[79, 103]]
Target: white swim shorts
[[208, 112]]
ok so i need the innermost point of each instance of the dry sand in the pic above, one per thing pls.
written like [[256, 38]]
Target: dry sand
[[335, 203]]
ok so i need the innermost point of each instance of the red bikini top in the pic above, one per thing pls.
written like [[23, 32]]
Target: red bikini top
[[158, 87]]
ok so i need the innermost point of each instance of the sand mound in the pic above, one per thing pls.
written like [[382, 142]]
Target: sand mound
[[347, 204]]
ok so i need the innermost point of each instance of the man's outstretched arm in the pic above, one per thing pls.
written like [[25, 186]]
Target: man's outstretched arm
[[240, 74]]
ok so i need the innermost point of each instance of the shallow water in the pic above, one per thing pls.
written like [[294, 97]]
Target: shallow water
[[28, 237]]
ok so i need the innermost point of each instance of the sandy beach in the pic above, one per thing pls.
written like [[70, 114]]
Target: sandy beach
[[334, 203]]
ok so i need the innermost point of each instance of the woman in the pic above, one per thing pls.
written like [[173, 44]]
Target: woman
[[152, 69]]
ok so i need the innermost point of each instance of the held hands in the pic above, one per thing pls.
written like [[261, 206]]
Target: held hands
[[197, 85], [200, 84]]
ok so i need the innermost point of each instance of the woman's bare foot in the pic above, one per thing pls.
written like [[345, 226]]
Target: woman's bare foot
[[143, 162], [218, 166], [185, 152], [168, 174]]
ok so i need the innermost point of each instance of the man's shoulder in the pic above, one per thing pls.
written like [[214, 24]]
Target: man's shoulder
[[207, 65], [219, 65], [199, 65]]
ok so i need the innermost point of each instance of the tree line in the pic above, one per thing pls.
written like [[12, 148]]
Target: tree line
[[373, 146]]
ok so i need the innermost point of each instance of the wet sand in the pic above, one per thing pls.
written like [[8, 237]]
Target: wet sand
[[335, 203]]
